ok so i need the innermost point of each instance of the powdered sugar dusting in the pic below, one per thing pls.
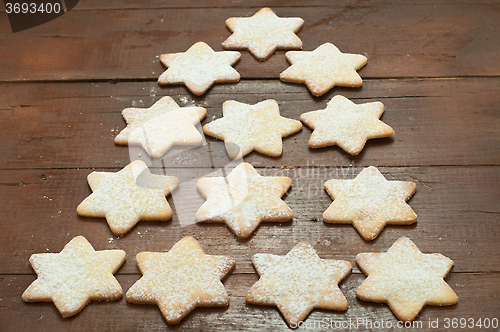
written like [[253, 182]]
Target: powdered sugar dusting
[[74, 276], [346, 124], [405, 278], [323, 68], [243, 199], [181, 279], [199, 67], [299, 282], [161, 126], [369, 202], [128, 196], [257, 127], [263, 33]]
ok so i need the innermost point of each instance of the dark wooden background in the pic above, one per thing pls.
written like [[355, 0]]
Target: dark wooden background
[[434, 64]]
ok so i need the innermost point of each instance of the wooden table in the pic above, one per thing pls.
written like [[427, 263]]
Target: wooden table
[[434, 65]]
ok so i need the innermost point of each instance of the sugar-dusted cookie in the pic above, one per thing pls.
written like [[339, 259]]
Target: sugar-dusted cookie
[[263, 33], [199, 67], [405, 279], [346, 124], [298, 282], [258, 127], [128, 196], [75, 276], [369, 202], [244, 199], [323, 68], [181, 279], [161, 126]]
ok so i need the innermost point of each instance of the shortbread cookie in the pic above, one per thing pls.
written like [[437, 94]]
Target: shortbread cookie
[[181, 279], [370, 202], [161, 126], [258, 127], [263, 33], [128, 196], [199, 67], [405, 279], [75, 276], [298, 282], [323, 68], [244, 199], [346, 124]]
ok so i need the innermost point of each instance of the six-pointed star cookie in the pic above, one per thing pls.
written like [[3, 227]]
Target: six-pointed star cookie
[[370, 202], [323, 68], [405, 279], [161, 126], [75, 276], [263, 33], [243, 199], [199, 67], [258, 127], [128, 196], [298, 282], [181, 279], [346, 124]]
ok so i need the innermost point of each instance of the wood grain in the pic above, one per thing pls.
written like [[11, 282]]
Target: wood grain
[[456, 206], [122, 316], [446, 40], [63, 85], [436, 122]]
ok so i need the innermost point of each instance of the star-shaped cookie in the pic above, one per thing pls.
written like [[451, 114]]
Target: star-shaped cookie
[[346, 124], [263, 33], [161, 126], [370, 202], [75, 276], [128, 196], [405, 279], [181, 279], [298, 282], [243, 199], [199, 67], [323, 68], [258, 127]]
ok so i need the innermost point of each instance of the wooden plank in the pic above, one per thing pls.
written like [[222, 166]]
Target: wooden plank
[[478, 292], [457, 210], [436, 122], [400, 40], [254, 5]]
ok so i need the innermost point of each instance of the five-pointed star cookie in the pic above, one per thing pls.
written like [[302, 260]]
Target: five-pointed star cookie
[[323, 68], [298, 282], [199, 67], [405, 279], [161, 126], [369, 202], [346, 124], [258, 127], [128, 196], [181, 279], [243, 199], [75, 276], [263, 33]]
